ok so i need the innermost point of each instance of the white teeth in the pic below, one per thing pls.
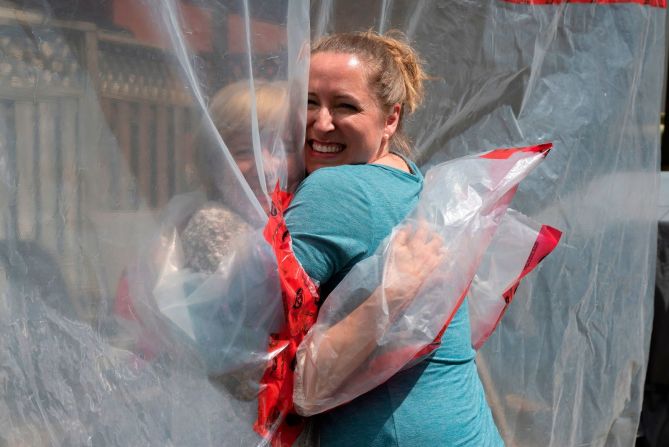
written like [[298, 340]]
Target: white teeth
[[327, 148]]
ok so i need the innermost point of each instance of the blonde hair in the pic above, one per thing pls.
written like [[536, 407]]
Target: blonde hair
[[230, 107], [230, 110], [394, 70]]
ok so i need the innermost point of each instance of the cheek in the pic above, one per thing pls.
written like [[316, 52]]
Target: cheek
[[247, 168], [294, 161], [311, 117], [366, 134]]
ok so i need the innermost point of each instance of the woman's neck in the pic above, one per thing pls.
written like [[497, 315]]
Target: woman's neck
[[394, 161]]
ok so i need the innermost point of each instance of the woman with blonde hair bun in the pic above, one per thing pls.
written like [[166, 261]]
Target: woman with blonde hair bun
[[361, 183]]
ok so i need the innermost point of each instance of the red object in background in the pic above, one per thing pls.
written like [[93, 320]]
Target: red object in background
[[197, 24], [123, 303], [146, 343], [267, 38], [140, 20]]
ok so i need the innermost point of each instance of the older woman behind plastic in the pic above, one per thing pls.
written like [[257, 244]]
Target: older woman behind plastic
[[188, 271], [215, 230], [360, 86], [211, 230]]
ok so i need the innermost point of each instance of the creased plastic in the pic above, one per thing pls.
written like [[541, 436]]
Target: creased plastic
[[462, 202], [517, 248], [103, 105]]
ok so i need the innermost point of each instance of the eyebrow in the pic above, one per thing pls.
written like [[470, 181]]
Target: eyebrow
[[340, 97], [347, 98]]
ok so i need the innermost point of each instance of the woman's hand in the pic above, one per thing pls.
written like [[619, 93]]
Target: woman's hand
[[414, 253]]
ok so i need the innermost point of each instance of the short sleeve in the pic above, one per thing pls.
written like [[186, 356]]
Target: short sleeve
[[330, 223]]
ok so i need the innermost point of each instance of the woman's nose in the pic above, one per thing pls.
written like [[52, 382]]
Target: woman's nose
[[323, 120]]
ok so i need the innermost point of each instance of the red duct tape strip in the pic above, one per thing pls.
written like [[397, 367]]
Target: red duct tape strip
[[497, 154], [503, 154], [427, 350], [276, 413], [651, 3], [547, 239]]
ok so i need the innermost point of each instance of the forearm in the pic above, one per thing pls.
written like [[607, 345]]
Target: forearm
[[330, 358]]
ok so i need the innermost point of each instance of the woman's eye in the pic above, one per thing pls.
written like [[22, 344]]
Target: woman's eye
[[312, 102], [243, 153], [349, 107]]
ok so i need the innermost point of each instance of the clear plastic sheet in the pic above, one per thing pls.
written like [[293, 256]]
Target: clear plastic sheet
[[102, 107], [517, 248], [461, 206]]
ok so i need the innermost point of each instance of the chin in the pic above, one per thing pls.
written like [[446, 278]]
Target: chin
[[312, 164], [311, 167]]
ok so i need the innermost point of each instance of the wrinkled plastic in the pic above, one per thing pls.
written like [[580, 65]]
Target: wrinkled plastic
[[516, 249], [101, 104], [463, 202]]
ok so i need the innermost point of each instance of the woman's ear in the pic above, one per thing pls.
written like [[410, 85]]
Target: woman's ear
[[392, 120]]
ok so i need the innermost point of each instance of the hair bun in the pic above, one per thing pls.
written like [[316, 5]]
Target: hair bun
[[410, 66]]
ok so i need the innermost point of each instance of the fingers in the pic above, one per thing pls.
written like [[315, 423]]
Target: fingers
[[436, 246], [424, 238], [402, 235], [416, 246], [437, 258], [435, 241], [416, 234], [422, 234]]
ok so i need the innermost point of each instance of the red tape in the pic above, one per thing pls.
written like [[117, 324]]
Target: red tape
[[651, 3], [503, 154], [276, 414], [547, 239]]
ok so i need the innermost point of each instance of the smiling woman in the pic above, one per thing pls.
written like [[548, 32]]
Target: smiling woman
[[345, 125], [359, 89], [361, 184]]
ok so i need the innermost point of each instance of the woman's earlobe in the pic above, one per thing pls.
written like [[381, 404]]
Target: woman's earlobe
[[393, 120]]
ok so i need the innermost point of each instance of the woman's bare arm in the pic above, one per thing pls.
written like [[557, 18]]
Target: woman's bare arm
[[328, 362]]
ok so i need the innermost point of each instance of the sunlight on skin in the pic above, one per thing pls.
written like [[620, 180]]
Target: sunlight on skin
[[353, 62]]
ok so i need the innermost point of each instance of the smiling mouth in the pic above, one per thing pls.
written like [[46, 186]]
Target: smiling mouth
[[326, 148]]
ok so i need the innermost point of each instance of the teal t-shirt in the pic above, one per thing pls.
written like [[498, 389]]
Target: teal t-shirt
[[338, 217]]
